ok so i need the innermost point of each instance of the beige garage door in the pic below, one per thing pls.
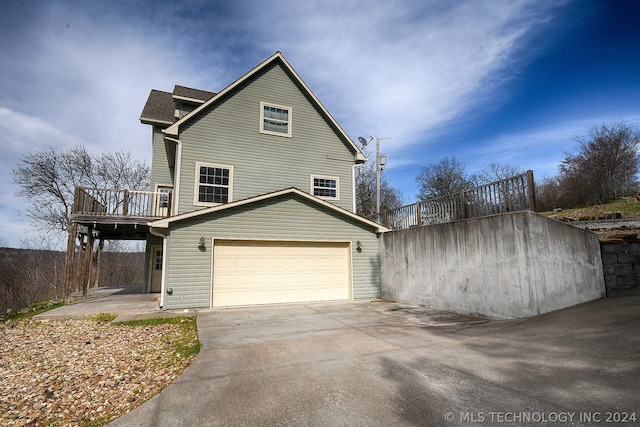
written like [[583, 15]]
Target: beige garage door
[[267, 272]]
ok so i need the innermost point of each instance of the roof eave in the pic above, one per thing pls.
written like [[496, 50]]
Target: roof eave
[[148, 121], [164, 223], [193, 100]]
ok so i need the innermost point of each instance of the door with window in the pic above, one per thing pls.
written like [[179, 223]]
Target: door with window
[[156, 268], [163, 201]]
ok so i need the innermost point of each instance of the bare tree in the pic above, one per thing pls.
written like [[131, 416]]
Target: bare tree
[[496, 171], [51, 176], [441, 179], [604, 167], [390, 198], [548, 194]]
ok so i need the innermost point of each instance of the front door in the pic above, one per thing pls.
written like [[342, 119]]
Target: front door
[[156, 268]]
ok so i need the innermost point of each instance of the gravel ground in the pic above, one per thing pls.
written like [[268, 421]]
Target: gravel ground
[[82, 372]]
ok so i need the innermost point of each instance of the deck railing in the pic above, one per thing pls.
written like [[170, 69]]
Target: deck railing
[[131, 203], [508, 195]]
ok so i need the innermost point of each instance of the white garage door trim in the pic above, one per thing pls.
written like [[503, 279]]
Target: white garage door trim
[[250, 272]]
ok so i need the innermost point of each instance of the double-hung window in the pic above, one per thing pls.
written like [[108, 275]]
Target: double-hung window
[[213, 184], [325, 187], [275, 119]]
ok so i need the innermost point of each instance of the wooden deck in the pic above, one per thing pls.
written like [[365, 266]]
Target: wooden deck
[[106, 214], [118, 214]]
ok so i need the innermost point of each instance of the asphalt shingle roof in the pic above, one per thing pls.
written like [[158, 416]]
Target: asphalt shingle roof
[[160, 106]]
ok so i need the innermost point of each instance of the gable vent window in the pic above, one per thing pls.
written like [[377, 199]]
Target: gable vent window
[[213, 184], [275, 119], [325, 187]]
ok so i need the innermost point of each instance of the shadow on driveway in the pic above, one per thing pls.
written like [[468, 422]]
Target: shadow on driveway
[[381, 363]]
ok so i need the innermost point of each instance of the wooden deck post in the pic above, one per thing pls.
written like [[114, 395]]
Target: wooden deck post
[[69, 261], [88, 261], [125, 203], [532, 191], [96, 283], [80, 263]]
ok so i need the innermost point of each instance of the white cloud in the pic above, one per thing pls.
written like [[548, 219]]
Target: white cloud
[[396, 67], [80, 78], [79, 73]]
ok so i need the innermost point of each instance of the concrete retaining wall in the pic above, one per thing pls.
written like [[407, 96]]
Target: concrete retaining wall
[[621, 262], [504, 266]]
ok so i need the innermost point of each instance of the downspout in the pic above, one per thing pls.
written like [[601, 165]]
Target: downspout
[[176, 184], [174, 211], [164, 261], [353, 185]]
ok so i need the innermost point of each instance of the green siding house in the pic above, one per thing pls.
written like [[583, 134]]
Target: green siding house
[[257, 197]]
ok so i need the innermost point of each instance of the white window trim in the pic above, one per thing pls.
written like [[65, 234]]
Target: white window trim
[[290, 123], [196, 191], [158, 197], [312, 177]]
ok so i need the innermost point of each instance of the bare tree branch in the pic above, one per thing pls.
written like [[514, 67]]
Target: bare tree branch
[[48, 180], [441, 179], [605, 166]]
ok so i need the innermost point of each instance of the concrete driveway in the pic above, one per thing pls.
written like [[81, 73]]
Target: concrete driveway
[[390, 364]]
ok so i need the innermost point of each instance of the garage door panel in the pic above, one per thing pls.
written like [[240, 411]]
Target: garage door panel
[[262, 272]]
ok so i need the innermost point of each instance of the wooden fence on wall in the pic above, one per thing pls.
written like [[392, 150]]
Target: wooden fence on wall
[[508, 195]]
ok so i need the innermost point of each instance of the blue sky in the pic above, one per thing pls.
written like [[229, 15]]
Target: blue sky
[[486, 81]]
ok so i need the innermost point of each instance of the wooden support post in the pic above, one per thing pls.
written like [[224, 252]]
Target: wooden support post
[[532, 191], [69, 261], [88, 260], [98, 258], [463, 204], [418, 214], [75, 208], [125, 203], [80, 263]]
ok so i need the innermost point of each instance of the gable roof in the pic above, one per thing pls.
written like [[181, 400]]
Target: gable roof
[[173, 130], [164, 223], [159, 109]]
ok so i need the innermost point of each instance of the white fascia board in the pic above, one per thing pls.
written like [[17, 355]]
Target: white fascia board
[[164, 223], [184, 98]]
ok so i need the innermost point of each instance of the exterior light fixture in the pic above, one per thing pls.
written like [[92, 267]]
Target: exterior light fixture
[[358, 246], [202, 246]]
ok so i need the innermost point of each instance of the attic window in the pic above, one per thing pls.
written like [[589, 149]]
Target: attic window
[[325, 187], [275, 119]]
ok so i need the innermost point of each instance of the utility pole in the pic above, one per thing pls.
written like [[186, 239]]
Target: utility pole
[[381, 162], [378, 179]]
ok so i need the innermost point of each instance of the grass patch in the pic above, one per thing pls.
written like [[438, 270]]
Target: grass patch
[[630, 208], [35, 309], [104, 317], [186, 346]]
